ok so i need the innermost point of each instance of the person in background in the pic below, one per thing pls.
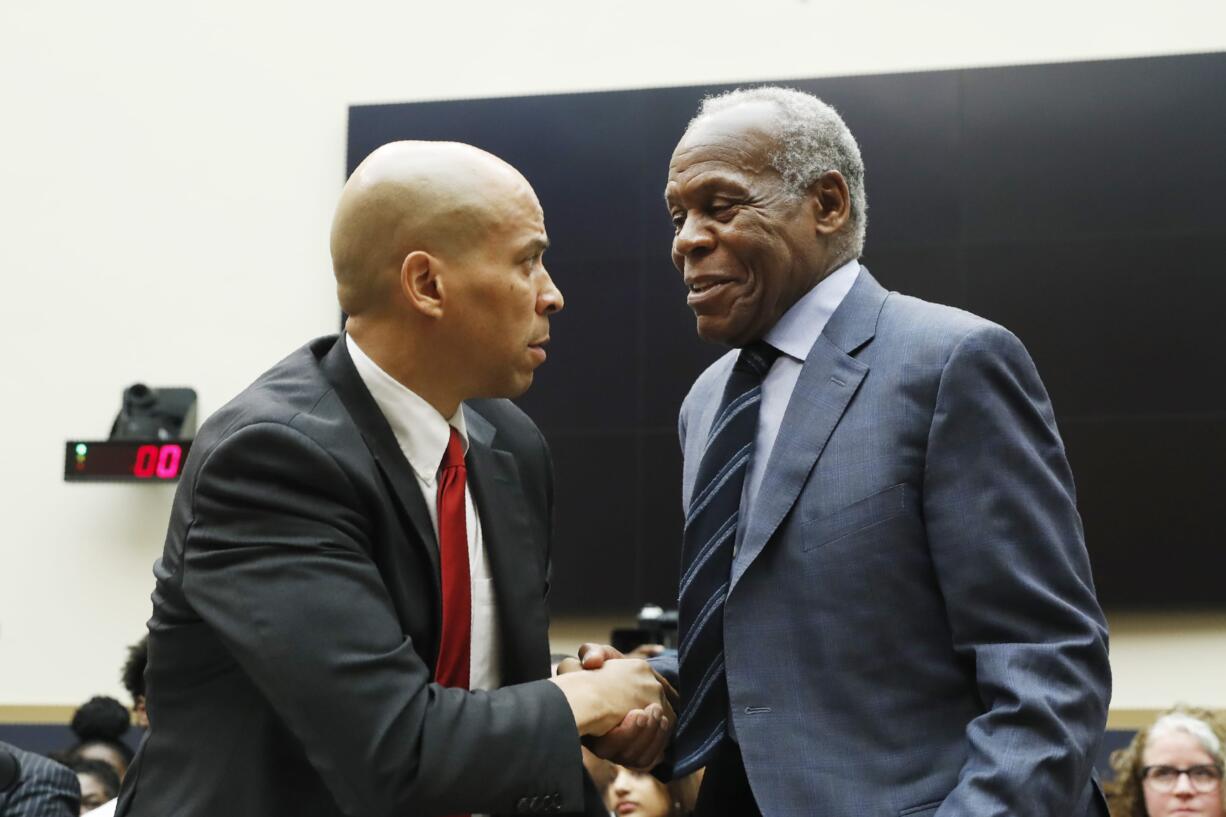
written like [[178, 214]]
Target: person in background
[[133, 677], [99, 783], [100, 724], [34, 786], [1172, 768], [631, 793]]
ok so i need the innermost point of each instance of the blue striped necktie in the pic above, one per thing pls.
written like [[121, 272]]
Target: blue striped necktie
[[706, 559]]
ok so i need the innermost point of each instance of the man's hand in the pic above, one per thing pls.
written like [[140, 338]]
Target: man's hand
[[601, 698], [639, 741]]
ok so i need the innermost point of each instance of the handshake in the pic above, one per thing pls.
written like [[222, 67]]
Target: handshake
[[624, 710]]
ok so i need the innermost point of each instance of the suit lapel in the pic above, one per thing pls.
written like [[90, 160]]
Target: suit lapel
[[506, 530], [339, 369], [828, 380]]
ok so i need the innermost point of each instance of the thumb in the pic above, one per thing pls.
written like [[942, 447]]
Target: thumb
[[593, 656]]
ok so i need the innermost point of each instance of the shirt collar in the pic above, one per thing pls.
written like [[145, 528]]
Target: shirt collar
[[795, 333], [420, 430]]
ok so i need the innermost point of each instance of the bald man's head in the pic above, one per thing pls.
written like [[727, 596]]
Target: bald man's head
[[435, 197]]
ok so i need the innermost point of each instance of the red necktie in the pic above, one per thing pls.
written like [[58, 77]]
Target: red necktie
[[455, 644]]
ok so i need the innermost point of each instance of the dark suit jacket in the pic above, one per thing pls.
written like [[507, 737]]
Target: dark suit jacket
[[43, 789], [296, 619], [913, 629]]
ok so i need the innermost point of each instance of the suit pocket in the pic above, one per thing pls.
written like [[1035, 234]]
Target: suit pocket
[[921, 810], [865, 513]]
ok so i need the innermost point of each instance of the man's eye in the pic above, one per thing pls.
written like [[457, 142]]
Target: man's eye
[[678, 220]]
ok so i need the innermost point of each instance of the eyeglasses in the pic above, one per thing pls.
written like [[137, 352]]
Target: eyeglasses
[[1163, 778]]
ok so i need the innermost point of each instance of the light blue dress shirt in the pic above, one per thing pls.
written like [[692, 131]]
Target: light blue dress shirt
[[794, 335]]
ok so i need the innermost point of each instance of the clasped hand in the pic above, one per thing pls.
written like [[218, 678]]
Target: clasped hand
[[638, 740]]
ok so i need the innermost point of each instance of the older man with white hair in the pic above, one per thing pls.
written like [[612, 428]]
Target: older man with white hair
[[885, 605]]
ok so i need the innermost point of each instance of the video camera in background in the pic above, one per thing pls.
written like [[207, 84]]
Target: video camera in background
[[655, 626]]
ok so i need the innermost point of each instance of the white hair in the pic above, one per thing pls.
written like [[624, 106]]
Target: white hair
[[1182, 722], [812, 139]]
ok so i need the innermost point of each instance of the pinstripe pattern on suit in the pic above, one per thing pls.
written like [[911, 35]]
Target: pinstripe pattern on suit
[[45, 788]]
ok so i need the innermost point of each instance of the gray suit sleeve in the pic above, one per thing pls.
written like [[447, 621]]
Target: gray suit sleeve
[[277, 563], [1007, 545]]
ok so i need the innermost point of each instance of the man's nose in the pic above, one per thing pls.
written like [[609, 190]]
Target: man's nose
[[550, 299], [692, 237]]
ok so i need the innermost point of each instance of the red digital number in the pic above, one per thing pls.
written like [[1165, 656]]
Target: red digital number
[[168, 461], [146, 461]]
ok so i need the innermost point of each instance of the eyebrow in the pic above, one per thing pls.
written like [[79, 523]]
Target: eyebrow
[[536, 245], [703, 187]]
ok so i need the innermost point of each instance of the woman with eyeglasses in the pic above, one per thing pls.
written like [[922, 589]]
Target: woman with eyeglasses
[[1172, 769]]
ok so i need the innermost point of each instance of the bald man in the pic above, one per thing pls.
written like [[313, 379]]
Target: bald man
[[349, 615]]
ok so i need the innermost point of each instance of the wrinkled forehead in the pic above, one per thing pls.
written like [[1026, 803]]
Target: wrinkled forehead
[[745, 132], [721, 150], [514, 207]]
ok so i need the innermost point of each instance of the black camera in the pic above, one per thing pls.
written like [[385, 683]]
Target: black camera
[[655, 626]]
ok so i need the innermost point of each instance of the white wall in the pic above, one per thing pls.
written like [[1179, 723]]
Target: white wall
[[167, 174]]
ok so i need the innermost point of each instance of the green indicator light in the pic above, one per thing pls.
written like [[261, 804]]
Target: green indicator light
[[81, 449]]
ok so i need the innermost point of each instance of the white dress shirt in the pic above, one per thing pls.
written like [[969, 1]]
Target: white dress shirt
[[423, 435]]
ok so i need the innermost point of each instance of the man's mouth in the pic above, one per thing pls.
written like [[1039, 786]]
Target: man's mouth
[[537, 347], [705, 289]]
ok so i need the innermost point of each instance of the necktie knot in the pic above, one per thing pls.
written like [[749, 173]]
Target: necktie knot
[[757, 358], [453, 456]]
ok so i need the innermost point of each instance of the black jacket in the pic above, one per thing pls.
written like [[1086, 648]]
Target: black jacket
[[297, 611]]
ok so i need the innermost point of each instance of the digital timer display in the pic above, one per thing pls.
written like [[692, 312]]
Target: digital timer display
[[125, 461]]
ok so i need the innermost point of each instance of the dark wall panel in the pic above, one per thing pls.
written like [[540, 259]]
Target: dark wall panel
[[1081, 205], [1095, 149], [1127, 326], [1150, 493]]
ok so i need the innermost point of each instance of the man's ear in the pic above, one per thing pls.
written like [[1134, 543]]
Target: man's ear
[[420, 283], [831, 202]]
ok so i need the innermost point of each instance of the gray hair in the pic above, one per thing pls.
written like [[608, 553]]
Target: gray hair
[[1182, 722], [812, 139]]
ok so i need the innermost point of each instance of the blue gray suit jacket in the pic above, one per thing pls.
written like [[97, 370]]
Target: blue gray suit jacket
[[914, 630]]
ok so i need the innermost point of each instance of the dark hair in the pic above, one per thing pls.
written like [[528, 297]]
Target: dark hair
[[100, 720], [133, 673], [103, 771]]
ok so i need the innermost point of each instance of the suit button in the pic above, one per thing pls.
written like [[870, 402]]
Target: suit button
[[521, 805], [534, 805]]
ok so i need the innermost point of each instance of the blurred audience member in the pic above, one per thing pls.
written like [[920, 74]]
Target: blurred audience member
[[1172, 768], [34, 786], [630, 793], [133, 677], [600, 770], [99, 724], [99, 783]]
